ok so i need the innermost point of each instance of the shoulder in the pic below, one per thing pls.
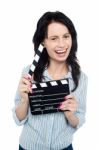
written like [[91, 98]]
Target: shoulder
[[83, 76], [83, 80]]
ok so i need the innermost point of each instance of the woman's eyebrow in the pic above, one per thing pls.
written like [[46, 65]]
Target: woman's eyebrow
[[51, 36], [67, 33]]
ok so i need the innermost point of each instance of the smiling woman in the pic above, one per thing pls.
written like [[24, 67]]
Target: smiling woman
[[58, 60], [58, 41]]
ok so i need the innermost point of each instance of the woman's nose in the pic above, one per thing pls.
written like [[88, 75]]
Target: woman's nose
[[61, 43]]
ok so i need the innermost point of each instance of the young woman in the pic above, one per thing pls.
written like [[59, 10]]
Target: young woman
[[54, 131]]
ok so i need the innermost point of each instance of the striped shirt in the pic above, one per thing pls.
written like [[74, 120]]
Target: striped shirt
[[51, 131]]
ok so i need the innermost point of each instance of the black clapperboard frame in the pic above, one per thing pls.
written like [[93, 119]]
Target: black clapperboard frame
[[46, 97]]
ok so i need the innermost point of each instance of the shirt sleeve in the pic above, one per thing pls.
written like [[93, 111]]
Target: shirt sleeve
[[81, 95], [17, 101]]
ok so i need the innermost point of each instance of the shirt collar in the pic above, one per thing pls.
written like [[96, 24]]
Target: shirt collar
[[68, 75]]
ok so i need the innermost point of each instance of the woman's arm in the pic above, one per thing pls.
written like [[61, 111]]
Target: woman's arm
[[24, 88], [22, 109], [70, 105], [76, 103]]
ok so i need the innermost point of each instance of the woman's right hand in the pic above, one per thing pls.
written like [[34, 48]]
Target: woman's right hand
[[25, 86]]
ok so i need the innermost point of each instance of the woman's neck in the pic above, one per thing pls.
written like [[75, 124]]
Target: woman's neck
[[57, 70]]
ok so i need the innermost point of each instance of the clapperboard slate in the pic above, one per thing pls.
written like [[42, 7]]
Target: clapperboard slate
[[47, 96]]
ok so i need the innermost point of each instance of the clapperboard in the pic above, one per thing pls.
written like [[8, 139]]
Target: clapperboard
[[46, 96]]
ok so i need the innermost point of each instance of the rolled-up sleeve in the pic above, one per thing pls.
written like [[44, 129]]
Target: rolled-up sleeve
[[17, 101], [81, 95], [16, 119]]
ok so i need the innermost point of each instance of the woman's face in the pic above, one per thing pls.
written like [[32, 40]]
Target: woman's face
[[58, 42]]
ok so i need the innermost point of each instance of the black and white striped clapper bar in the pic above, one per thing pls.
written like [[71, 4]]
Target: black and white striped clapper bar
[[35, 61], [47, 96]]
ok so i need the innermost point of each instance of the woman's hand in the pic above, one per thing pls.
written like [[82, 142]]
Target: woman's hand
[[70, 104], [25, 86], [70, 107]]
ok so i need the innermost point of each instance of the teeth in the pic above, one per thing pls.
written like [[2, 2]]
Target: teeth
[[60, 51]]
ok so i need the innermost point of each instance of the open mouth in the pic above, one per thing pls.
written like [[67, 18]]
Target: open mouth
[[60, 51]]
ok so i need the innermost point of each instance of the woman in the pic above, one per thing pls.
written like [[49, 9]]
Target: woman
[[54, 131]]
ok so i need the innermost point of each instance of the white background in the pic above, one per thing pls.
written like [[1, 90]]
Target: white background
[[18, 20]]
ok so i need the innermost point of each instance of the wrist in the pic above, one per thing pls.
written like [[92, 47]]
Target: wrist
[[69, 114], [72, 119]]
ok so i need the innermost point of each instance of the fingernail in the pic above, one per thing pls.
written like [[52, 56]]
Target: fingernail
[[31, 91], [29, 78], [30, 85], [65, 97], [25, 77], [60, 105]]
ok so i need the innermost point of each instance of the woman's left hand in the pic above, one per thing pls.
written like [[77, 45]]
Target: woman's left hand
[[69, 105]]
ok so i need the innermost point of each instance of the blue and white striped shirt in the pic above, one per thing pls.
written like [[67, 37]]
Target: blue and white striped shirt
[[51, 131]]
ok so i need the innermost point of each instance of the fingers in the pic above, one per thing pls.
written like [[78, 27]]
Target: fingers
[[70, 96], [70, 104], [26, 80], [25, 88], [25, 84]]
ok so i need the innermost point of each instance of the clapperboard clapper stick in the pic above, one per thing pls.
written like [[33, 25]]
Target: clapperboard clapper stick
[[46, 96], [35, 61]]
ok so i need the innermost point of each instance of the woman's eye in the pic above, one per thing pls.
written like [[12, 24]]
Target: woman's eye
[[67, 36], [53, 39]]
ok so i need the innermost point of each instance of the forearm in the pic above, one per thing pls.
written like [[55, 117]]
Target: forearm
[[22, 109], [72, 119]]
